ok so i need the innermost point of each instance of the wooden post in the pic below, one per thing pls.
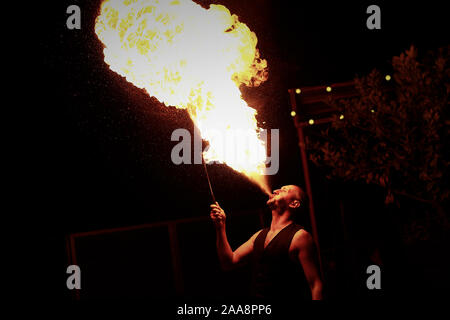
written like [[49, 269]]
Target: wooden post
[[302, 145], [176, 263]]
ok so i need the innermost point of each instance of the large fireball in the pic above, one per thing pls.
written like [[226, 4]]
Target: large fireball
[[195, 59]]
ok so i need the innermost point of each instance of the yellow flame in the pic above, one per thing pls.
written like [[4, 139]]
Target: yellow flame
[[196, 59]]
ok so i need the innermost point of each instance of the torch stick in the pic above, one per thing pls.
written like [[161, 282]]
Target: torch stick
[[209, 181]]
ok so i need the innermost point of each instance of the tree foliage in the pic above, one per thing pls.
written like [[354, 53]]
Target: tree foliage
[[395, 133]]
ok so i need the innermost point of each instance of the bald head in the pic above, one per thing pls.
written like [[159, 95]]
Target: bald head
[[297, 193]]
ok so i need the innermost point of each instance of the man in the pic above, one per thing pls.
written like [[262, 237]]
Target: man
[[283, 257]]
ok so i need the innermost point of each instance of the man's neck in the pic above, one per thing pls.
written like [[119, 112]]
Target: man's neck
[[279, 221]]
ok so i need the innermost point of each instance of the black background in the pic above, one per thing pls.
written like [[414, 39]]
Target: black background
[[100, 148]]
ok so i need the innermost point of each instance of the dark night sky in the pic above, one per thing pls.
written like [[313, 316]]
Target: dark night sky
[[106, 147], [109, 142]]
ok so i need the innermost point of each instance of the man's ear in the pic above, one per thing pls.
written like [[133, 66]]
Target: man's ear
[[294, 204]]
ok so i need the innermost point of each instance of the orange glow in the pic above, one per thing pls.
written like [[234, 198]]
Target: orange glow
[[194, 59]]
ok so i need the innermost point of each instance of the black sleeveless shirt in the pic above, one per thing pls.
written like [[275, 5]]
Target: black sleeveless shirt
[[274, 273]]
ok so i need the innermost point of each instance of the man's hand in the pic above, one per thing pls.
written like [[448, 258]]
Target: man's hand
[[229, 259], [218, 216]]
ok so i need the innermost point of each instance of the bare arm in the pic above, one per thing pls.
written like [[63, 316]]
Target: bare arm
[[307, 256], [229, 259]]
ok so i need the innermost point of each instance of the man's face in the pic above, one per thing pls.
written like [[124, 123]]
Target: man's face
[[283, 197]]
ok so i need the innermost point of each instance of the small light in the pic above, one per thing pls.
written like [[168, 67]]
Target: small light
[[297, 91], [341, 116], [328, 89], [388, 77], [372, 110], [311, 121], [293, 113]]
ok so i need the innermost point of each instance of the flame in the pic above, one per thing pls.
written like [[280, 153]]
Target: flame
[[195, 59]]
